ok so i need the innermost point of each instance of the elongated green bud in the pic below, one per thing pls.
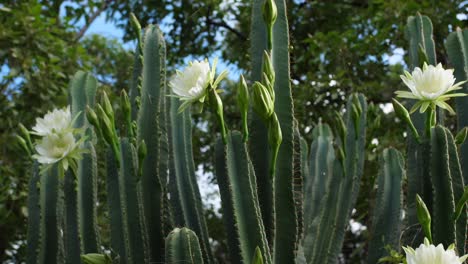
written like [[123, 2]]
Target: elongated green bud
[[25, 134], [135, 24], [94, 258], [262, 102], [108, 130], [92, 117], [402, 113], [461, 136], [243, 104], [125, 104], [257, 257], [107, 106], [461, 204], [127, 112], [275, 137], [270, 12], [22, 143], [217, 106], [424, 217]]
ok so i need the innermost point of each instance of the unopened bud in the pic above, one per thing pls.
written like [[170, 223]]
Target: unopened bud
[[135, 24], [26, 136], [263, 104], [107, 106], [270, 12], [424, 217], [94, 258], [257, 257], [92, 117], [106, 125], [461, 136], [217, 107], [275, 136], [126, 105], [402, 113], [243, 104], [243, 95], [22, 144], [461, 204]]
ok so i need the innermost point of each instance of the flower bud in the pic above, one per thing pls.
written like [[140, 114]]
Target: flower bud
[[217, 107], [26, 136], [125, 104], [424, 217], [135, 24], [107, 106], [270, 12], [92, 117], [106, 125], [23, 145], [262, 102], [402, 113], [243, 95], [275, 136], [461, 204], [94, 258], [257, 257], [461, 136], [243, 104]]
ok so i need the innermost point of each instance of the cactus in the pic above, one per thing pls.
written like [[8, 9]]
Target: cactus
[[448, 188], [386, 224], [182, 246], [51, 217], [457, 49], [280, 203], [187, 187], [34, 216], [148, 129], [421, 48], [337, 179]]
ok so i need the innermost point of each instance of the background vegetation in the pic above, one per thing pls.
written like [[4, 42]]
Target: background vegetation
[[338, 47]]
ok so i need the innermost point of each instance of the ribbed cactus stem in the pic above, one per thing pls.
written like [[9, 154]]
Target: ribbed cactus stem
[[182, 246]]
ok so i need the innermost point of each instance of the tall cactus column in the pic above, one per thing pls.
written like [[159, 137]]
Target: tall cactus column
[[152, 93]]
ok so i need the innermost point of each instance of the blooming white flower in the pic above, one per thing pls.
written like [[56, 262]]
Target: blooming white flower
[[191, 84], [429, 254], [57, 142], [56, 121], [431, 86], [55, 147]]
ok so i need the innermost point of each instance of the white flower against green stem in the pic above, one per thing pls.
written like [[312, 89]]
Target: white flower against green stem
[[191, 85], [56, 147], [431, 86], [57, 141], [429, 254], [57, 121]]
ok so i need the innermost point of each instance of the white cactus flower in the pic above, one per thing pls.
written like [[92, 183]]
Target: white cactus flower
[[55, 147], [57, 121], [57, 141], [191, 85], [431, 86], [429, 254]]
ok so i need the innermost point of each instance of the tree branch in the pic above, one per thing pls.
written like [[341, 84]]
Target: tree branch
[[91, 19], [223, 24]]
